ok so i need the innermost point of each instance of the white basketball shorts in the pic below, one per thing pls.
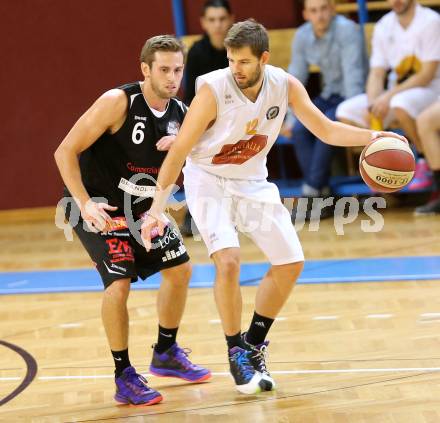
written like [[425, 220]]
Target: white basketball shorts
[[413, 101], [222, 207]]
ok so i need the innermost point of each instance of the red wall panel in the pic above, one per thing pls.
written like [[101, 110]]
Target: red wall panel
[[273, 14], [57, 57]]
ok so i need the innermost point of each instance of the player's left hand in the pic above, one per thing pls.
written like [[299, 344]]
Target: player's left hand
[[165, 143], [380, 134], [151, 227]]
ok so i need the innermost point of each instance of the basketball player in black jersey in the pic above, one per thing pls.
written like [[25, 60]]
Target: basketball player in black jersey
[[108, 162]]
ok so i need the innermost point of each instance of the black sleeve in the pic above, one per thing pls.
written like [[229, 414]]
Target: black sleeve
[[191, 74]]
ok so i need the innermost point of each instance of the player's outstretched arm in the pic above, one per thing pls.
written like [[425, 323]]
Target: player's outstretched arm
[[330, 132], [106, 114], [201, 114]]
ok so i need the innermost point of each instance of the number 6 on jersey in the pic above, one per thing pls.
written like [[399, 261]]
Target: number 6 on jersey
[[138, 135]]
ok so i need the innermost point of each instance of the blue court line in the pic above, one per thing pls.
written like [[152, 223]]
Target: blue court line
[[315, 272]]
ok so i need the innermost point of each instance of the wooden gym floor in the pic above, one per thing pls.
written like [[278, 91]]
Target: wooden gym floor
[[351, 352]]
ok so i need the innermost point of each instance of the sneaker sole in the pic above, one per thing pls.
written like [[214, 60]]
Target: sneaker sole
[[126, 402], [168, 373], [248, 390], [255, 386]]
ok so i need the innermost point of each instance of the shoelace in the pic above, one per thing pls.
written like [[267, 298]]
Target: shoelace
[[182, 357], [244, 366], [261, 355], [137, 382]]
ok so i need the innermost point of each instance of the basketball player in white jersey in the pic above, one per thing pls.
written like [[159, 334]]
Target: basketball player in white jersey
[[230, 127]]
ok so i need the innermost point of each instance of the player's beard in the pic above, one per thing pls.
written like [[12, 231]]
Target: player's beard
[[252, 80], [161, 92]]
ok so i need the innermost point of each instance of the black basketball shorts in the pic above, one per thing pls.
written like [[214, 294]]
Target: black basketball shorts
[[119, 255]]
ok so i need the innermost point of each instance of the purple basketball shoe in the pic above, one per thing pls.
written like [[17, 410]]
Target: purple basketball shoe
[[132, 388], [175, 363]]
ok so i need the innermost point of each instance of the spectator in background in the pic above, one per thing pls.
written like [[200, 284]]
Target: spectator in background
[[336, 45], [428, 127], [209, 53], [406, 41]]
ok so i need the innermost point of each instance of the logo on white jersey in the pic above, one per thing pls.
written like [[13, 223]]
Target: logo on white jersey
[[272, 113], [228, 99]]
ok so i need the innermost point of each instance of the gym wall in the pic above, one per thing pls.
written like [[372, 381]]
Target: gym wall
[[58, 56]]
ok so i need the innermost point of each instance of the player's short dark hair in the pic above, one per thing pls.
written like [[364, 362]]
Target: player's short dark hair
[[303, 3], [160, 43], [216, 3], [248, 33]]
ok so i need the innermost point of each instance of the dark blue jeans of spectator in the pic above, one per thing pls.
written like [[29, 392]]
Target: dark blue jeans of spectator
[[315, 156]]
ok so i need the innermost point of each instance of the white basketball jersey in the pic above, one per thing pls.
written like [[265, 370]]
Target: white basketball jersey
[[236, 146]]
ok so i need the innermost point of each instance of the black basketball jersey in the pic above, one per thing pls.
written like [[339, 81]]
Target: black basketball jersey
[[127, 162]]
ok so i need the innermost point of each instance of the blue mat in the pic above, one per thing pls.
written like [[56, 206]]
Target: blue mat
[[315, 272]]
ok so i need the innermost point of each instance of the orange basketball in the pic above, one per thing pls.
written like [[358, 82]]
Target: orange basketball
[[387, 164]]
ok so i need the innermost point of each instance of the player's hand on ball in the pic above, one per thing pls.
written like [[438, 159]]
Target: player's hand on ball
[[165, 143], [96, 217], [151, 227], [378, 134], [387, 163]]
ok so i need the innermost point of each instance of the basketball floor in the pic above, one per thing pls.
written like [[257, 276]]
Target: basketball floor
[[358, 341]]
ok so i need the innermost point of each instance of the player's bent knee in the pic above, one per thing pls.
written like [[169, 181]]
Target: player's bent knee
[[179, 275], [186, 270], [227, 264], [118, 289], [297, 268], [292, 270], [228, 268], [182, 273]]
